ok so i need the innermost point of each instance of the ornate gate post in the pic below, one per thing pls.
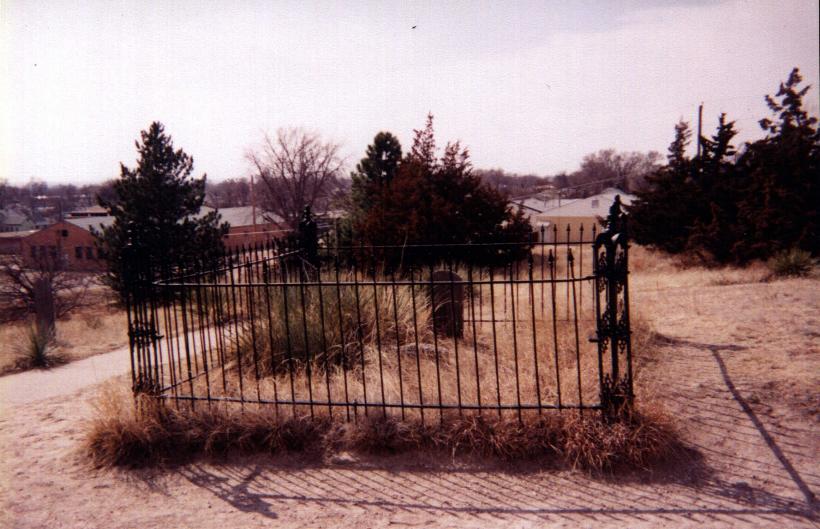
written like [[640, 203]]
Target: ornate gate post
[[611, 269]]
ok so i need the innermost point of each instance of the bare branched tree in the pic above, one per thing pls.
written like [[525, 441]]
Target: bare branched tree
[[297, 169], [46, 290], [611, 168]]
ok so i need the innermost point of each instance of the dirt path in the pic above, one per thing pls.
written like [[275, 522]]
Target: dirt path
[[738, 367], [37, 384]]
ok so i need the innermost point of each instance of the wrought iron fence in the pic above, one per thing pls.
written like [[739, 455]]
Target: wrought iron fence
[[417, 331]]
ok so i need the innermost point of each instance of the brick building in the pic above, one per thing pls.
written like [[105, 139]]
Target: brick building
[[246, 230], [12, 241], [69, 240]]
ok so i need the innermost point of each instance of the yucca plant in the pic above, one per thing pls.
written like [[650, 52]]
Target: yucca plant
[[794, 262], [37, 351]]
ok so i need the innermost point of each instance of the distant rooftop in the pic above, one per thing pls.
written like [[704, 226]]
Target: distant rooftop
[[16, 234], [594, 206], [12, 216], [538, 204], [86, 223], [91, 211], [243, 216]]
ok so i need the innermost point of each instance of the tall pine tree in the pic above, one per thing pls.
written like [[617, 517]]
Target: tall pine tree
[[715, 229], [375, 171], [779, 209], [662, 215], [157, 222]]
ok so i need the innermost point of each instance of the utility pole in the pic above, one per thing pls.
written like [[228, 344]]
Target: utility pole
[[700, 123], [253, 205]]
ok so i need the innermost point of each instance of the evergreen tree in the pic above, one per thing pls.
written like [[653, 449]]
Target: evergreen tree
[[715, 230], [779, 208], [662, 214], [434, 201], [375, 171], [423, 151], [729, 208], [157, 224]]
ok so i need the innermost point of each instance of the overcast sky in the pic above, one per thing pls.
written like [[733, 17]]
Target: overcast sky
[[528, 86]]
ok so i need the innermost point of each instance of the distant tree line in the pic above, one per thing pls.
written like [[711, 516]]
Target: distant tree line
[[40, 200], [607, 168], [229, 193], [730, 205], [511, 184]]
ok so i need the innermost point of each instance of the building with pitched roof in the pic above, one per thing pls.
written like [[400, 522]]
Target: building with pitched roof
[[574, 219]]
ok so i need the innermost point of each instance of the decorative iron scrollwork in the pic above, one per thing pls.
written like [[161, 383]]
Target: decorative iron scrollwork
[[144, 333], [613, 329]]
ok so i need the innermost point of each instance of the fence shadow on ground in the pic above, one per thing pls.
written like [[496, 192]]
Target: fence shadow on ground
[[751, 487], [391, 485]]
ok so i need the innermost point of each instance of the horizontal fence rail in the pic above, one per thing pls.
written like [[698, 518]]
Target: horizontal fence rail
[[414, 332]]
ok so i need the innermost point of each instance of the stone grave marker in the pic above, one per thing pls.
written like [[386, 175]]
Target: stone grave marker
[[448, 303]]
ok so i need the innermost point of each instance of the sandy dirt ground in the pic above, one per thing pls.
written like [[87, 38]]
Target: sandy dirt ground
[[738, 365]]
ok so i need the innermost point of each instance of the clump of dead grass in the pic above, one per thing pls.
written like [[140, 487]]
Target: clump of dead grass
[[123, 434], [636, 439], [329, 325]]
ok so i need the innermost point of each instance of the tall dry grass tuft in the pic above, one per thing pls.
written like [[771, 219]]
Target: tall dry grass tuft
[[328, 325], [122, 434], [638, 439], [125, 433]]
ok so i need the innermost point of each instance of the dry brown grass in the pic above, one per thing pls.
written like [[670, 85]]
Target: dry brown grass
[[488, 366], [97, 327], [151, 433], [655, 269]]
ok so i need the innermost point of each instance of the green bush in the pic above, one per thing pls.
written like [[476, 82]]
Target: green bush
[[794, 262]]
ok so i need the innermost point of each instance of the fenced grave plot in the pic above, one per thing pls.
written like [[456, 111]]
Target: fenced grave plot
[[418, 332]]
